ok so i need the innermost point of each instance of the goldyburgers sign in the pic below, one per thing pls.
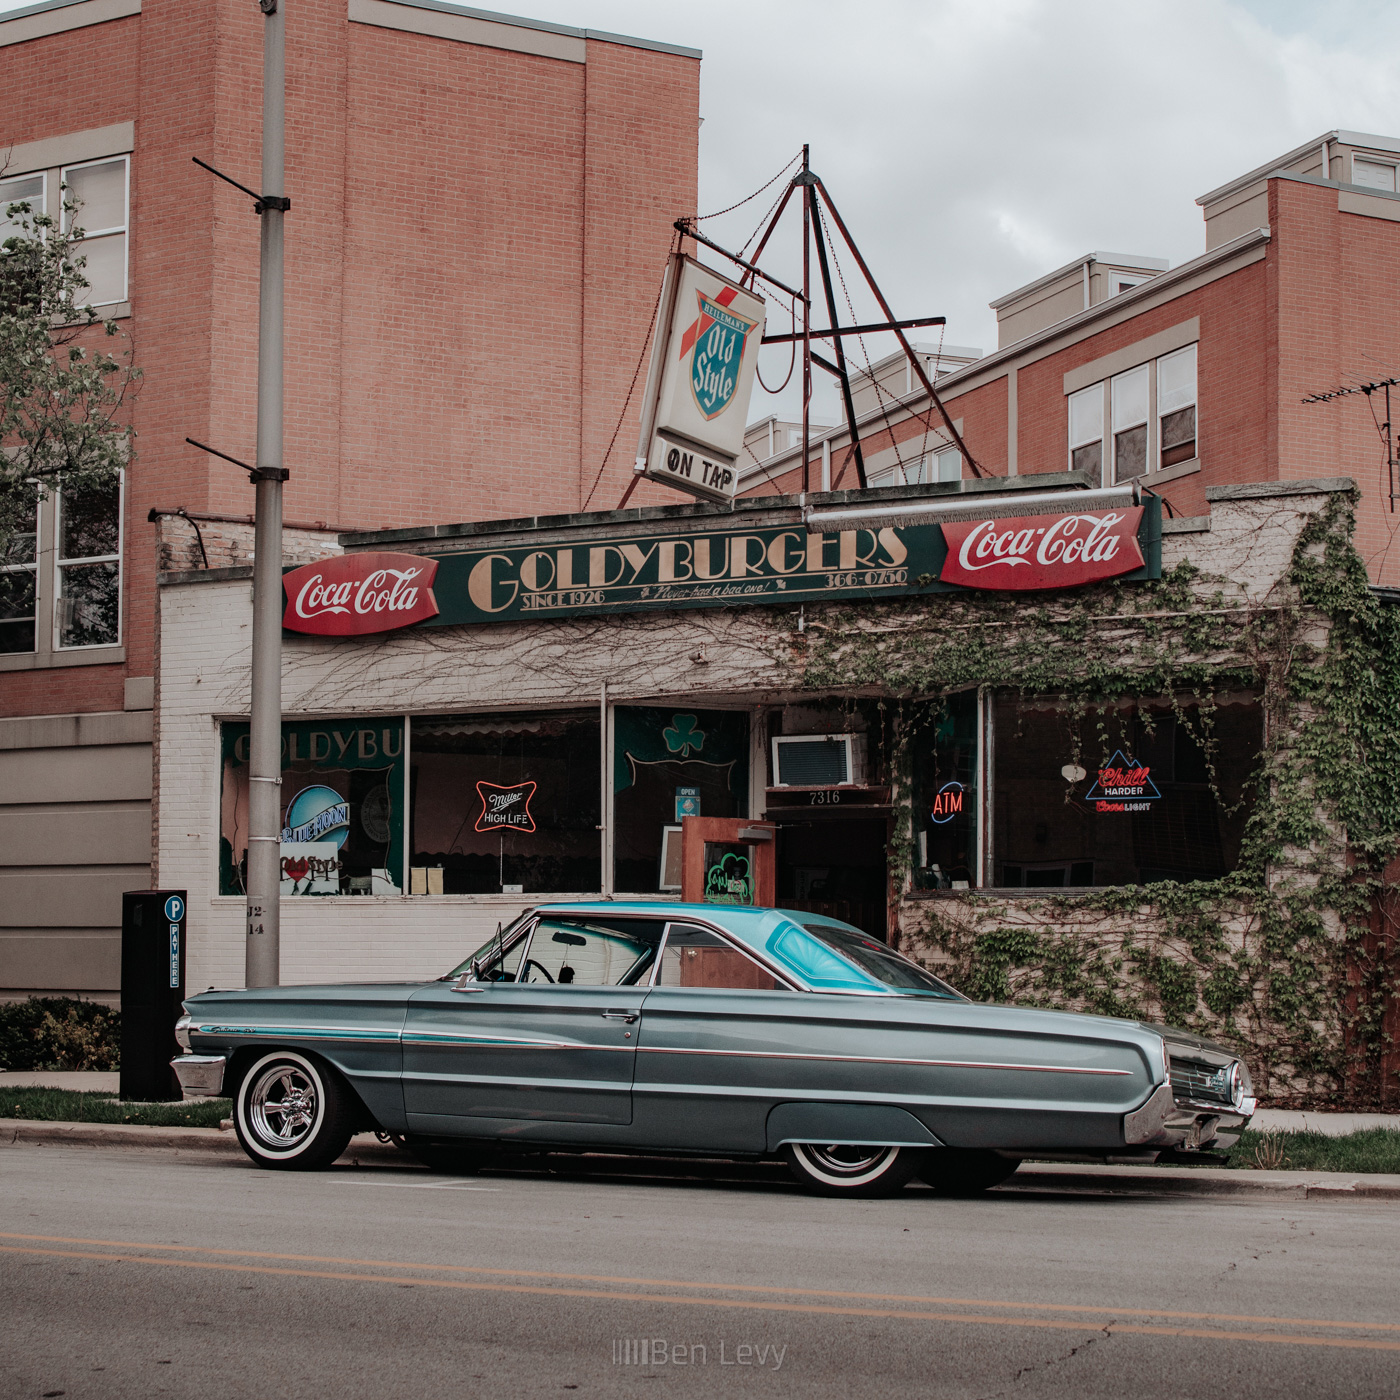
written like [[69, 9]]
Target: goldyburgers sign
[[729, 566]]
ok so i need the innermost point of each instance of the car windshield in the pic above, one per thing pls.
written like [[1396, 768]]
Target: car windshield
[[509, 939], [831, 958]]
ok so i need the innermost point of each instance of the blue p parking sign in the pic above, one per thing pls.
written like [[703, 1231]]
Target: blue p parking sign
[[174, 908]]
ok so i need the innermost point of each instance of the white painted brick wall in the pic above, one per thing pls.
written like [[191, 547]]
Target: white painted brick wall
[[695, 657]]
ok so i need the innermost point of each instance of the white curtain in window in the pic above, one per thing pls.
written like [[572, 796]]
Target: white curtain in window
[[1130, 398], [1176, 381]]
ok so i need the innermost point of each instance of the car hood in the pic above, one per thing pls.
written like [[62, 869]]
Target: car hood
[[1189, 1038]]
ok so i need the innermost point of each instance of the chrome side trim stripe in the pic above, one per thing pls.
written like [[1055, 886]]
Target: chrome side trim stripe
[[371, 1037], [493, 1041], [880, 1060]]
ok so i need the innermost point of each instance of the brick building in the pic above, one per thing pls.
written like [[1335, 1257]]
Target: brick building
[[1184, 378], [481, 208]]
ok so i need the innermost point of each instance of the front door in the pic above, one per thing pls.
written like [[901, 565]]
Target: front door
[[836, 866], [556, 1041]]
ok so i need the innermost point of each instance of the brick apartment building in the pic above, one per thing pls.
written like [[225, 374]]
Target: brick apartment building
[[1187, 378], [481, 208]]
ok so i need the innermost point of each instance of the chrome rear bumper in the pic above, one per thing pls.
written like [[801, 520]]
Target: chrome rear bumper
[[200, 1076]]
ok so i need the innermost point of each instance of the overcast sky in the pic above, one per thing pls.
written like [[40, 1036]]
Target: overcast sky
[[973, 145]]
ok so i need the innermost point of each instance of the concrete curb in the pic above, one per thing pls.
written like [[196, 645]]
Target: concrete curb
[[364, 1147], [1058, 1177], [1201, 1181]]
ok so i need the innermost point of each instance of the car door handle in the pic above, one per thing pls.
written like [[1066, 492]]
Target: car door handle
[[628, 1016]]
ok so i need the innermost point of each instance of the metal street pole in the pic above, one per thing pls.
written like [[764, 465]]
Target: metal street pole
[[262, 962]]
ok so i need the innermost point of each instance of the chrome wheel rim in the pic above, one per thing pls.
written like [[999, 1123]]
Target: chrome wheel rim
[[845, 1163], [283, 1105]]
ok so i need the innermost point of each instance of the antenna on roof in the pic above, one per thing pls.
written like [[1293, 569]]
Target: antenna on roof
[[1385, 430]]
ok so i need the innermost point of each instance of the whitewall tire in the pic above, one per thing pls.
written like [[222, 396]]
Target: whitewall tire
[[836, 1169], [293, 1112]]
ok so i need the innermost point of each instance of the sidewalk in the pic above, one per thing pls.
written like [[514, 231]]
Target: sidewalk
[[85, 1081]]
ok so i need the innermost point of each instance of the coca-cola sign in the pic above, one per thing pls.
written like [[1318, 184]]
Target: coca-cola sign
[[352, 595], [1043, 551]]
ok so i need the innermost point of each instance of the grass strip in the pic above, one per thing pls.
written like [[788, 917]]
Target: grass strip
[[75, 1106], [1370, 1150]]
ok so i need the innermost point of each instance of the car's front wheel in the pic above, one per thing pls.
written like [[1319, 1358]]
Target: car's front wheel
[[836, 1169], [293, 1112]]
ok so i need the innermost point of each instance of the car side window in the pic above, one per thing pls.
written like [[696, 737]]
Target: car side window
[[587, 953], [695, 957]]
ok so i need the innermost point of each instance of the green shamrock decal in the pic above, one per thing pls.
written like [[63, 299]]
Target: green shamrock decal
[[684, 736]]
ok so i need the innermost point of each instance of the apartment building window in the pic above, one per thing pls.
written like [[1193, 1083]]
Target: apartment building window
[[1086, 430], [1176, 406], [942, 464], [18, 586], [28, 189], [1374, 174], [60, 578], [1150, 411], [100, 190], [1128, 394], [88, 596]]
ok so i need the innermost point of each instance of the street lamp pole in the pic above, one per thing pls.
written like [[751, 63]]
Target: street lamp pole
[[262, 960]]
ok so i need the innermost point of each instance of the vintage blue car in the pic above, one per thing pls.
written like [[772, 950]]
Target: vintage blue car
[[655, 1027]]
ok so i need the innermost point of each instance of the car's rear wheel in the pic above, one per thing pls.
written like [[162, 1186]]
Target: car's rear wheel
[[953, 1171], [837, 1169], [293, 1112]]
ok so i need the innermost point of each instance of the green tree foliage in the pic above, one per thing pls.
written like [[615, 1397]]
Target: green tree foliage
[[66, 375]]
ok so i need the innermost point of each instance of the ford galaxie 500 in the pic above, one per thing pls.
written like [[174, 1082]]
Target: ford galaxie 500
[[703, 1029]]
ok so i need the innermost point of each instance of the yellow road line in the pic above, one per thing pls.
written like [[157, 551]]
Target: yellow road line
[[747, 1304], [482, 1271]]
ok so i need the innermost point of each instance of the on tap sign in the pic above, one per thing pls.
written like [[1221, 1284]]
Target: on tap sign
[[703, 363], [351, 595]]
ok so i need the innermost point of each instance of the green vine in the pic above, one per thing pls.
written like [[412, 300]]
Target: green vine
[[1285, 957]]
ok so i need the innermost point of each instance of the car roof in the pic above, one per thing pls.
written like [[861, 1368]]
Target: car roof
[[752, 925]]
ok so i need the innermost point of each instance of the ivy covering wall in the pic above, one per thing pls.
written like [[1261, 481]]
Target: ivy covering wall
[[1282, 958]]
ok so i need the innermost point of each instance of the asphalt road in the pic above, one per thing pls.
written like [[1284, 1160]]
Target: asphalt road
[[139, 1273]]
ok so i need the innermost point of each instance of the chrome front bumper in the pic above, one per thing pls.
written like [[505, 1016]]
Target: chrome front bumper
[[200, 1076], [1166, 1122]]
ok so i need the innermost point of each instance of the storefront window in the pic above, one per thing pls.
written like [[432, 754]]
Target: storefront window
[[943, 742], [1128, 794], [670, 763], [341, 808], [505, 803]]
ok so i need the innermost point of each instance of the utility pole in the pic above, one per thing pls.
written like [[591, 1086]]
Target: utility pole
[[262, 964]]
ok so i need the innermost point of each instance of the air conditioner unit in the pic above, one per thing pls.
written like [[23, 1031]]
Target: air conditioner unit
[[813, 760]]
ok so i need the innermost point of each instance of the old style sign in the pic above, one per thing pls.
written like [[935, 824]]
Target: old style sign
[[703, 365], [1043, 551], [351, 595]]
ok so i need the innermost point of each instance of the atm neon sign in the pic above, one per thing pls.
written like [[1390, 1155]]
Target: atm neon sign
[[947, 803]]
